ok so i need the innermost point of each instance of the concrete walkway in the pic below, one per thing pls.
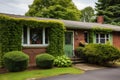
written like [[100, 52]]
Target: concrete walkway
[[101, 74], [86, 67]]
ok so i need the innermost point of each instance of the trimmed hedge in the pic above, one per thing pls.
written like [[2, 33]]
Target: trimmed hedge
[[62, 61], [79, 52], [16, 61], [100, 53], [44, 60], [11, 33]]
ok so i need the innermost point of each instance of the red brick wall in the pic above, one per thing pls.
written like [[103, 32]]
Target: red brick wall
[[78, 36], [32, 52], [116, 39]]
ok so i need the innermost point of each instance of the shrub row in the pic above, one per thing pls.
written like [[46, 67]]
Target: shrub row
[[98, 53], [18, 61]]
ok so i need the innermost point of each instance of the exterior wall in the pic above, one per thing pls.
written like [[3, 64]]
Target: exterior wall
[[116, 39], [32, 52], [78, 36]]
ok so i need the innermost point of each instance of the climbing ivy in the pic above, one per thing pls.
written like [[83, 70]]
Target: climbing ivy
[[97, 29], [11, 33]]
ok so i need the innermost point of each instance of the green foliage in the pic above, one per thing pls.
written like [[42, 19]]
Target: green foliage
[[103, 30], [56, 41], [16, 61], [87, 14], [79, 52], [100, 53], [62, 61], [97, 29], [11, 33], [44, 60], [91, 34], [110, 9], [60, 9]]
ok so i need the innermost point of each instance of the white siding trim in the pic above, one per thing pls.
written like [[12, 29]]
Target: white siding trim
[[43, 37], [28, 35]]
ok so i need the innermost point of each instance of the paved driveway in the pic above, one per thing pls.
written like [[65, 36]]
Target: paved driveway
[[103, 74]]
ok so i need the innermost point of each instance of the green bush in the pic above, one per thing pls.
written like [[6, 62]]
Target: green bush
[[62, 61], [15, 61], [79, 52], [44, 60], [100, 53]]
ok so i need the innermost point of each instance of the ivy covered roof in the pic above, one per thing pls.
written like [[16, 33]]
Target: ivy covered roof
[[72, 24]]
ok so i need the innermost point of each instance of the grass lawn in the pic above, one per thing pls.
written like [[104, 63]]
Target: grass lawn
[[39, 73]]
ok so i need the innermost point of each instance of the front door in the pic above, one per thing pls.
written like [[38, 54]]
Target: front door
[[69, 44]]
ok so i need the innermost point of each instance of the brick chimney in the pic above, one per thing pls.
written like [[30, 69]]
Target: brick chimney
[[100, 19]]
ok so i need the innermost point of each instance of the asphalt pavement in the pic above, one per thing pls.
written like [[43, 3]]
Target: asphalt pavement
[[101, 74]]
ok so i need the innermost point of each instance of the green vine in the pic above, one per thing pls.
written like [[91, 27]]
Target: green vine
[[102, 30], [98, 30], [11, 33]]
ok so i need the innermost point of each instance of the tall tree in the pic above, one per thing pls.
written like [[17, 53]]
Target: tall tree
[[110, 9], [59, 9], [87, 14]]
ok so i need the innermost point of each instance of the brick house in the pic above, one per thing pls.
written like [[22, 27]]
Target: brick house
[[35, 41]]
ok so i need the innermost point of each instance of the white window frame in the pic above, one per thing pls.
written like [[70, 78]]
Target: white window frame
[[34, 45], [99, 38]]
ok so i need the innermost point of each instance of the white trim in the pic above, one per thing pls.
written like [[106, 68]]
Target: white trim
[[73, 44], [22, 37], [72, 40], [28, 36], [105, 38], [43, 36], [34, 45], [99, 38]]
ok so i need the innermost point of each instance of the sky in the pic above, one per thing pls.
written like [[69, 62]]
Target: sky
[[20, 7]]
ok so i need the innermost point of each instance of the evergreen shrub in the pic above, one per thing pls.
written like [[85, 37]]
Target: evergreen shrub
[[44, 60], [100, 53], [15, 61]]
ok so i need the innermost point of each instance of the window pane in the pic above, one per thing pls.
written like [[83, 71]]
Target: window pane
[[97, 40], [86, 37], [102, 40], [96, 35], [25, 35], [36, 35], [102, 35], [68, 38], [46, 36], [107, 35]]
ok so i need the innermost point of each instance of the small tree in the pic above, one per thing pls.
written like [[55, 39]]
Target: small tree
[[59, 9], [87, 14]]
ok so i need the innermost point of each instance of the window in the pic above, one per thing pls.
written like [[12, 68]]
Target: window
[[35, 36], [86, 37], [102, 38]]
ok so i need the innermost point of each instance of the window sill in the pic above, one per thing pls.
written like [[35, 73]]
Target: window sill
[[35, 46]]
